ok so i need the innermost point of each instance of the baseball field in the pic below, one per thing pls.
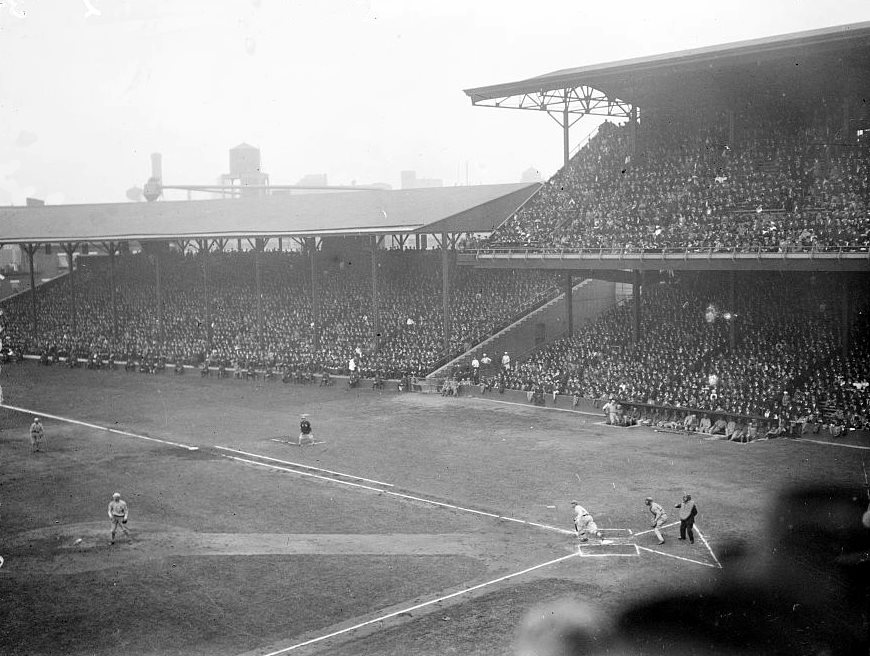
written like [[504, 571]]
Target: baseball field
[[415, 524]]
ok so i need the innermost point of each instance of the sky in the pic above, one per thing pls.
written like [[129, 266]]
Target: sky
[[358, 90]]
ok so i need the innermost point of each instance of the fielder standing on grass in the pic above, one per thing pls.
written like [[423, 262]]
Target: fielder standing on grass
[[659, 518], [37, 434], [688, 510], [118, 514]]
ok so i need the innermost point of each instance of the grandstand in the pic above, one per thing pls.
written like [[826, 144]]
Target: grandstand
[[749, 160]]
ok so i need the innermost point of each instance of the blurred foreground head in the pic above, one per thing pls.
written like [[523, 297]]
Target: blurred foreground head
[[804, 590]]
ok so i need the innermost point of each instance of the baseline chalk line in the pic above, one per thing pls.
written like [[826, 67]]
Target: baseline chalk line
[[98, 427], [652, 529], [688, 560], [304, 466], [709, 548], [418, 606], [399, 495], [845, 446]]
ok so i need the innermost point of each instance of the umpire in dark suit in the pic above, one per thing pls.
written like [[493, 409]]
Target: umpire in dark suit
[[688, 510]]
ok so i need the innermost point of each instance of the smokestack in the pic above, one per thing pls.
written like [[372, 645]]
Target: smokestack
[[157, 166]]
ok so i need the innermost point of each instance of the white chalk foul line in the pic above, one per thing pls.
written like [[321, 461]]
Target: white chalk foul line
[[304, 466], [709, 548], [418, 606], [845, 446], [688, 560], [651, 530], [98, 427], [399, 495]]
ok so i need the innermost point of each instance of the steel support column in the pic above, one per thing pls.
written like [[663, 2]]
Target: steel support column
[[30, 251], [110, 249], [70, 248], [311, 245], [566, 129], [846, 315], [161, 335], [204, 251], [445, 290], [569, 302], [732, 307], [259, 247], [376, 319], [635, 310]]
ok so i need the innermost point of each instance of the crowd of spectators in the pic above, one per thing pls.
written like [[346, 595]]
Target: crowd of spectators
[[409, 331], [775, 355], [778, 183]]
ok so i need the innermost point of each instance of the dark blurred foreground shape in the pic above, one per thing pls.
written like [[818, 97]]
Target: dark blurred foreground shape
[[805, 591]]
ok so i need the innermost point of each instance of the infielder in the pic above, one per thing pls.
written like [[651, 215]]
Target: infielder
[[659, 517], [118, 515], [306, 436], [37, 434], [584, 524]]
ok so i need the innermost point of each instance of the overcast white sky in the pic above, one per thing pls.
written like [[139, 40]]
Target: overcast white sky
[[356, 89]]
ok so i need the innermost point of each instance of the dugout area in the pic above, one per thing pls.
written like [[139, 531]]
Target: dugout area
[[231, 557]]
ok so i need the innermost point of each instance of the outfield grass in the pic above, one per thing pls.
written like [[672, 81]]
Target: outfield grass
[[199, 580]]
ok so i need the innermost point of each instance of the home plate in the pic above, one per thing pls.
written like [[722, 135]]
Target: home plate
[[604, 549]]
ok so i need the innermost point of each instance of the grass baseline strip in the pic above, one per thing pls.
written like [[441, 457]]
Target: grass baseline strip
[[401, 495], [418, 606]]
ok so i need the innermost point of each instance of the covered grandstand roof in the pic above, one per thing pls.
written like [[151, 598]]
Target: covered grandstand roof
[[639, 80], [443, 209]]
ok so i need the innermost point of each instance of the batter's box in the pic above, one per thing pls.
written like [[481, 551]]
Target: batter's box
[[603, 550]]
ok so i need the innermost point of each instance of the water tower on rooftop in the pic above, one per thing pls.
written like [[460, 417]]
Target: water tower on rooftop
[[245, 171]]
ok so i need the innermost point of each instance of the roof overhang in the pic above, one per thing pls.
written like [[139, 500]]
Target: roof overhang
[[443, 209], [611, 88]]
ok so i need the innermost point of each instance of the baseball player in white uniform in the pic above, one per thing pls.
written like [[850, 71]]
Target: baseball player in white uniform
[[118, 514], [659, 517], [584, 524]]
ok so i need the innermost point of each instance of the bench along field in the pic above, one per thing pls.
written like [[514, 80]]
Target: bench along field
[[415, 524]]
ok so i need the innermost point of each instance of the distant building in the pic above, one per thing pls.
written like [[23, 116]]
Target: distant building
[[411, 181], [531, 174], [245, 170], [314, 180]]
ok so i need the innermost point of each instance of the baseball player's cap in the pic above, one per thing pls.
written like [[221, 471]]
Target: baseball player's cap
[[575, 503], [36, 419], [648, 500], [117, 495]]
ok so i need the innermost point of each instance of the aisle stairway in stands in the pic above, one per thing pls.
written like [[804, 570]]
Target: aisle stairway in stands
[[591, 298]]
